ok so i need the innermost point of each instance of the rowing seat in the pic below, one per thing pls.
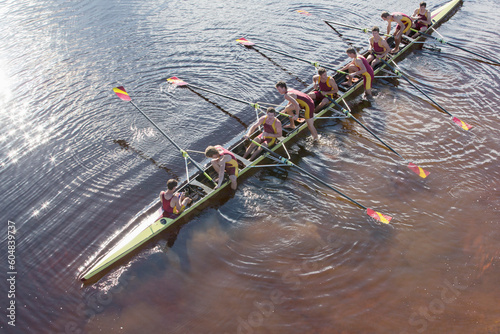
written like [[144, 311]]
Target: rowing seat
[[201, 185]]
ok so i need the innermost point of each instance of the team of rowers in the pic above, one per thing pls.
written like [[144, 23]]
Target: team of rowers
[[325, 90]]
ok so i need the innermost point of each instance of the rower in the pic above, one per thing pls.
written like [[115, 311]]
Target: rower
[[378, 48], [325, 87], [359, 66], [422, 18], [223, 160], [173, 203], [404, 24], [298, 100], [272, 131]]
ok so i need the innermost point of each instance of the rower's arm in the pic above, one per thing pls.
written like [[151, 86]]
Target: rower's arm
[[362, 67], [388, 27], [386, 47], [294, 103], [334, 86], [222, 168], [254, 126]]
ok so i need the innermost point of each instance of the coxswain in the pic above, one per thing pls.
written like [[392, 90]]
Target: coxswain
[[359, 66], [223, 160], [421, 18], [298, 100], [325, 87], [272, 130], [378, 48], [173, 203], [404, 24]]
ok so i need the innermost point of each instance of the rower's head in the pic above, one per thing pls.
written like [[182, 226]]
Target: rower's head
[[171, 184], [281, 87], [385, 16], [351, 53], [212, 152], [375, 31], [423, 4], [322, 73], [271, 112]]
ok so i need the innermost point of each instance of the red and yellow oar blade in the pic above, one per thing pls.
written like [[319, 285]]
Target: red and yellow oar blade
[[462, 124], [122, 93], [245, 42], [176, 81], [417, 170], [378, 216], [301, 11]]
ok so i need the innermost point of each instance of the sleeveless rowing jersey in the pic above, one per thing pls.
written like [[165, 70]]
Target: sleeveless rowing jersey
[[325, 86], [368, 75], [305, 102], [165, 203], [231, 166], [405, 19], [376, 47], [423, 17], [269, 128]]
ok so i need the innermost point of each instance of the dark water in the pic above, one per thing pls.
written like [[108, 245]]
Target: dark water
[[283, 255]]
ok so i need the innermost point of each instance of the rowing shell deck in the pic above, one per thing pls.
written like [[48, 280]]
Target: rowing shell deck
[[200, 188]]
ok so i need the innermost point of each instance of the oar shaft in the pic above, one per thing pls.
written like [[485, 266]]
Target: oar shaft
[[170, 140], [348, 113], [219, 94], [458, 47], [288, 162], [398, 72], [345, 25]]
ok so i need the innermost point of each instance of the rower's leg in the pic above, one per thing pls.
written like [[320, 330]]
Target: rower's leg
[[310, 125], [290, 111], [234, 183], [322, 104], [250, 149]]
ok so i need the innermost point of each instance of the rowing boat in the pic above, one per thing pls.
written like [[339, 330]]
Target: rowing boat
[[198, 186]]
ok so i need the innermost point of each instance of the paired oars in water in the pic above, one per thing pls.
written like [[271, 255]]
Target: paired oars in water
[[372, 213], [414, 168], [399, 73], [122, 94], [442, 41], [247, 43]]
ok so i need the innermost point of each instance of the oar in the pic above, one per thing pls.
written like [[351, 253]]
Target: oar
[[374, 214], [247, 43], [442, 41], [303, 12], [365, 30], [399, 73], [414, 168], [122, 94], [179, 82]]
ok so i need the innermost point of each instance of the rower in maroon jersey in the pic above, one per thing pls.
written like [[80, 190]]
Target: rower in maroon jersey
[[223, 160], [173, 203], [378, 48], [272, 131], [359, 66], [298, 100], [325, 87], [404, 24], [422, 18]]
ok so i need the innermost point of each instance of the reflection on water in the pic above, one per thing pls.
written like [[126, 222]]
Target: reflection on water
[[284, 254]]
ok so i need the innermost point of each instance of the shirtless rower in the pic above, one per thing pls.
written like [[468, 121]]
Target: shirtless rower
[[173, 203], [325, 87], [359, 66], [272, 131], [422, 18], [404, 24], [378, 48], [298, 100], [223, 160]]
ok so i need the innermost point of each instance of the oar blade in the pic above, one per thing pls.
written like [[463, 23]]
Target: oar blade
[[385, 219], [303, 12], [462, 124], [417, 170], [244, 41], [176, 81], [122, 93]]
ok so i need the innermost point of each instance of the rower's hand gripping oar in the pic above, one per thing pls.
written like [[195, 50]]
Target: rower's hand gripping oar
[[399, 73], [122, 94], [372, 213], [414, 168], [247, 43], [442, 41]]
